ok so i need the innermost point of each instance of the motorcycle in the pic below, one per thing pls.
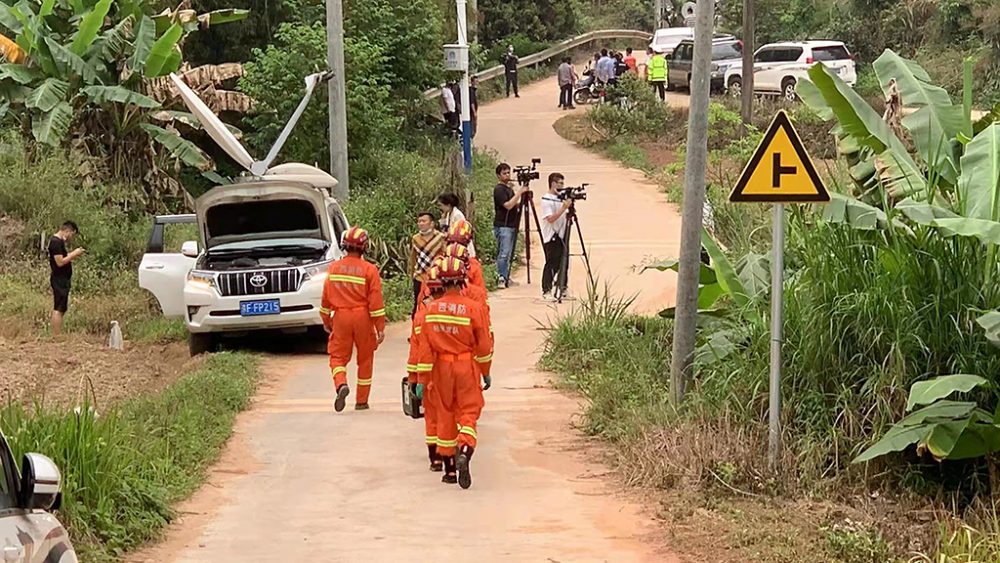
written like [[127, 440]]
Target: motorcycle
[[588, 90]]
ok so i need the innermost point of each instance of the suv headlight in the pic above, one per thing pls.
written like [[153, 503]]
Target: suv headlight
[[316, 269], [202, 278]]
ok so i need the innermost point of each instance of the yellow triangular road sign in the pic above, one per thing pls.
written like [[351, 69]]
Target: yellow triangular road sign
[[780, 170]]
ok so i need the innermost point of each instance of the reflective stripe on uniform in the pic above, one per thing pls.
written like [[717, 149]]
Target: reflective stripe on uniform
[[484, 359], [411, 367], [467, 430], [338, 369], [348, 279], [324, 311], [449, 320], [364, 381], [432, 440], [447, 443], [378, 313], [422, 368], [416, 330]]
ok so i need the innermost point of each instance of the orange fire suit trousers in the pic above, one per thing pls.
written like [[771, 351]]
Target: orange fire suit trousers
[[458, 401], [353, 328]]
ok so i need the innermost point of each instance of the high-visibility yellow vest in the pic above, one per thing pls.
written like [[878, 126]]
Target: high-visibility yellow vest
[[657, 68]]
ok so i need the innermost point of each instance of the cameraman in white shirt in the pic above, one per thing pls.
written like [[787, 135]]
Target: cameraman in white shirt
[[553, 231]]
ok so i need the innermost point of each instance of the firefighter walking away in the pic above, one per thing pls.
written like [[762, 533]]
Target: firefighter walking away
[[456, 347], [353, 313]]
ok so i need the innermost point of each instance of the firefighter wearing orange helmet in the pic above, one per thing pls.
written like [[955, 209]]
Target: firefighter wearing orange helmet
[[419, 378], [353, 313], [461, 232], [456, 348], [455, 250]]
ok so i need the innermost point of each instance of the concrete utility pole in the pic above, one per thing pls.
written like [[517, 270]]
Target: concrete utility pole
[[464, 89], [658, 15], [474, 4], [749, 39], [338, 98], [694, 198]]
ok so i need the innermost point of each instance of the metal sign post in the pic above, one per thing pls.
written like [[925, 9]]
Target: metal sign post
[[777, 318], [779, 172]]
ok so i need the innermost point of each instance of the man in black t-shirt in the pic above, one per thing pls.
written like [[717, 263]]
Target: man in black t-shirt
[[61, 263], [506, 218]]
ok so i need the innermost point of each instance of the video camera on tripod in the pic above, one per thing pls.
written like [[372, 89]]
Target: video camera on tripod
[[525, 174], [573, 193]]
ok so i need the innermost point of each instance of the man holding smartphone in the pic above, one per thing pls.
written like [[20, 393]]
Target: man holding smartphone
[[61, 264]]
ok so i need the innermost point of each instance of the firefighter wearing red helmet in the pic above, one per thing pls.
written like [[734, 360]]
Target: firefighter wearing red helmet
[[456, 348], [419, 379], [353, 312], [461, 232]]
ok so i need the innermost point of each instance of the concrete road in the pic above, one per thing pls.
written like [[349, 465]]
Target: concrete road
[[299, 482]]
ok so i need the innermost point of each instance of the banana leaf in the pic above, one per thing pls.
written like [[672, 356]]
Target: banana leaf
[[52, 127], [219, 17], [145, 36], [716, 348], [727, 276], [705, 276], [48, 6], [812, 97], [754, 271], [120, 95], [923, 213], [71, 64], [977, 440], [896, 439], [846, 210], [47, 95], [115, 41], [90, 25], [858, 120], [926, 392], [991, 324], [161, 52], [19, 73], [982, 229], [182, 149], [979, 186]]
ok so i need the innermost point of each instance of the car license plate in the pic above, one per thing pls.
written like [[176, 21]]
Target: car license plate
[[264, 307]]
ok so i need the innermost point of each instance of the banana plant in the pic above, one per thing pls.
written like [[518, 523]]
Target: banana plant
[[945, 429], [83, 70]]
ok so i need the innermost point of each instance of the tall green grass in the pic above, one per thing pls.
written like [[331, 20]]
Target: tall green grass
[[124, 467]]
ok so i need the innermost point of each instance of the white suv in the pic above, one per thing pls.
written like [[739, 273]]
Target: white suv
[[779, 66], [267, 245]]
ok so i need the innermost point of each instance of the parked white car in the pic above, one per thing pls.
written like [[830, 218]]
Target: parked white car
[[667, 39], [28, 530], [779, 66], [266, 247]]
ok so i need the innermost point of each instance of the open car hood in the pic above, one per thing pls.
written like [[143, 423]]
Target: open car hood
[[261, 210]]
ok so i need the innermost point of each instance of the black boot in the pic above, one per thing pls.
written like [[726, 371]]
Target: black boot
[[449, 470], [462, 464], [436, 463], [342, 392]]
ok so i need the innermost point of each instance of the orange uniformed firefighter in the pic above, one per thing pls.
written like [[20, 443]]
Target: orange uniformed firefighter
[[352, 296], [455, 250], [420, 378], [456, 348], [461, 233]]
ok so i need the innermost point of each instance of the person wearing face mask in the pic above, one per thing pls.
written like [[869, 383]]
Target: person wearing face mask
[[424, 246]]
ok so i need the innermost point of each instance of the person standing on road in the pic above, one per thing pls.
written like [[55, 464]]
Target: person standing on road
[[352, 296], [605, 69], [418, 375], [567, 78], [448, 107], [474, 103], [656, 73], [553, 231], [630, 62], [457, 348], [506, 219], [510, 70], [61, 277], [424, 246]]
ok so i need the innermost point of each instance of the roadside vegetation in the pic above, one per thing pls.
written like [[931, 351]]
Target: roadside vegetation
[[891, 290]]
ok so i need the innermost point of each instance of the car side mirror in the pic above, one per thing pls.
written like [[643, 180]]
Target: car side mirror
[[190, 249], [40, 483]]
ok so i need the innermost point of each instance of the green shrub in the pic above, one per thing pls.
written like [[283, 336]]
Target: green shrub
[[643, 114], [125, 467]]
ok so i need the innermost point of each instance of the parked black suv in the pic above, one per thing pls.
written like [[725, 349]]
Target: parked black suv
[[726, 51]]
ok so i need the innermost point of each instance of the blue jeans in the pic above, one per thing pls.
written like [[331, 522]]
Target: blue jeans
[[506, 237]]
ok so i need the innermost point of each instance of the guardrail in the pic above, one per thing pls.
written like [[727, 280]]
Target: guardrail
[[557, 49]]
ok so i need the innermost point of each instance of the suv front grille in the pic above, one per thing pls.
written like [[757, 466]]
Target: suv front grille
[[250, 282]]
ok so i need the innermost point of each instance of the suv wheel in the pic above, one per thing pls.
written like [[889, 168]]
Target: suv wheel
[[200, 343], [788, 89], [735, 86]]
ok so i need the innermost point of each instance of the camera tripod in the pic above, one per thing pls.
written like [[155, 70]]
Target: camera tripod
[[562, 279], [528, 211]]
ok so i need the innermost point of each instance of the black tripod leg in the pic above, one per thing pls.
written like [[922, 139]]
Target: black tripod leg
[[562, 278], [525, 211], [583, 249]]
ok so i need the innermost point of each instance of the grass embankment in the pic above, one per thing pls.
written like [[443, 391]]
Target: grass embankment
[[125, 467], [867, 314]]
